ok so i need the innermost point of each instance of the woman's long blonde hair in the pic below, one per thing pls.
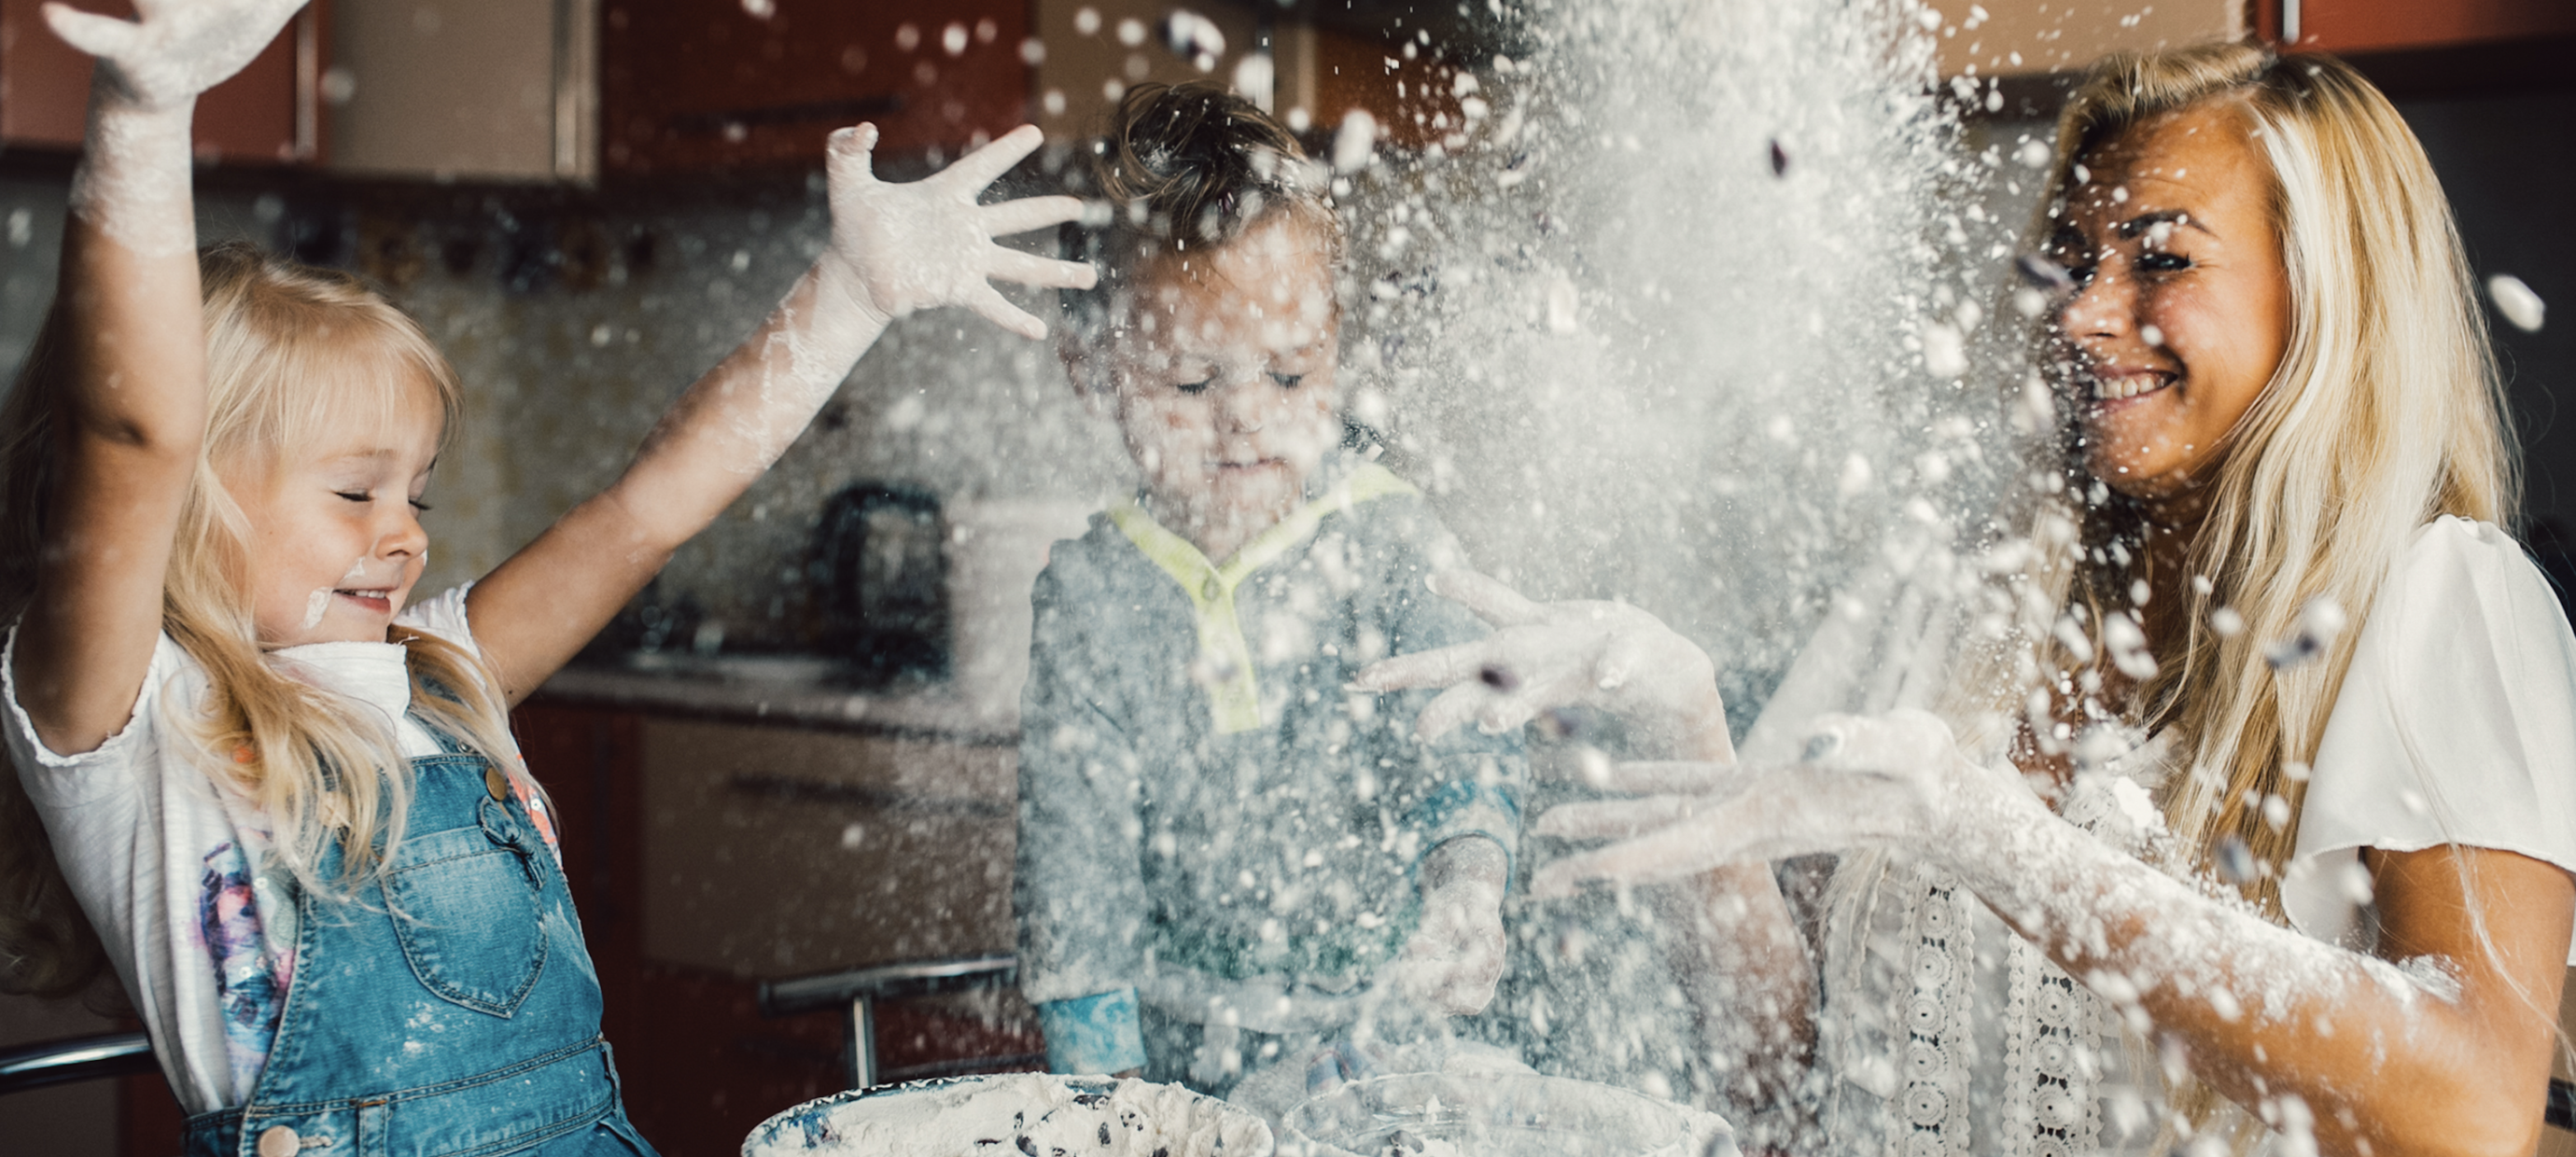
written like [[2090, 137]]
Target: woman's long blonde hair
[[290, 353], [2384, 413]]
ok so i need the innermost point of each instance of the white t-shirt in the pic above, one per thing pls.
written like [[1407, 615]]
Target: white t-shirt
[[174, 871], [2456, 725]]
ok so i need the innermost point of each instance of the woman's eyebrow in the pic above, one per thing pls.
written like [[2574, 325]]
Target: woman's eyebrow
[[2145, 221]]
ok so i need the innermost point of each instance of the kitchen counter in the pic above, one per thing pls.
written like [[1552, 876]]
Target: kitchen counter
[[790, 690]]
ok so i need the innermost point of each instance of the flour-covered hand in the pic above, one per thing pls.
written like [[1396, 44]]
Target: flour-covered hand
[[1455, 956], [1894, 780], [1608, 656], [900, 248], [173, 49]]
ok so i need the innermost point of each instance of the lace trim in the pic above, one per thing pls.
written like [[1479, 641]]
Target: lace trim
[[2052, 1062], [1941, 1043]]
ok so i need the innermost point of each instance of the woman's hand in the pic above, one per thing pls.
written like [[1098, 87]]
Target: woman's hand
[[900, 248], [1611, 657], [1895, 780], [1455, 958], [173, 49]]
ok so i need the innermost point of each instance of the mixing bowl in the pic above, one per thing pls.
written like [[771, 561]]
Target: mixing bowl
[[1439, 1115], [1011, 1114]]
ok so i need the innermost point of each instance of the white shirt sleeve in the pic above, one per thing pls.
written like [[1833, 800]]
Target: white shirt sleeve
[[443, 615], [2456, 725]]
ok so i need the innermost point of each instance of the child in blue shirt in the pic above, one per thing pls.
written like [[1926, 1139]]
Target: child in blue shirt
[[1224, 850]]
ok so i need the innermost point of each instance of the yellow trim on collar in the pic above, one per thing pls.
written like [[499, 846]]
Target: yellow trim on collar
[[1234, 692]]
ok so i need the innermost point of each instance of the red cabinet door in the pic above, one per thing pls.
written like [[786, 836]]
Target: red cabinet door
[[2362, 26], [692, 85], [265, 113]]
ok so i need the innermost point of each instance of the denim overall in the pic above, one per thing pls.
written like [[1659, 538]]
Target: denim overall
[[448, 1011]]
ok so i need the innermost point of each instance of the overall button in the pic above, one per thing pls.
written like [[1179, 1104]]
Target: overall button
[[279, 1141], [1214, 589], [496, 783]]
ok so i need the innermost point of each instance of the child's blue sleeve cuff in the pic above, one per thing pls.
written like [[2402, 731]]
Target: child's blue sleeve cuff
[[1461, 809], [1093, 1035]]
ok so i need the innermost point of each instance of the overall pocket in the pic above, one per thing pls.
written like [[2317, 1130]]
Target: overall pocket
[[465, 909]]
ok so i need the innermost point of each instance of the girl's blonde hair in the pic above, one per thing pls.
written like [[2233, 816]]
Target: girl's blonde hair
[[2384, 413], [291, 353]]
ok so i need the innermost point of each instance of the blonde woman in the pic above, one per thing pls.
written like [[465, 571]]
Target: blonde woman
[[2252, 803]]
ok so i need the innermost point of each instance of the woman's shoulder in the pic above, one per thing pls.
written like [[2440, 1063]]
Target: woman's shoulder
[[2464, 601], [2452, 549], [2455, 724]]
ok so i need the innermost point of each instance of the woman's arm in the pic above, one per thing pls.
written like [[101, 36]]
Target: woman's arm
[[2375, 1054], [133, 416], [894, 249], [2408, 1060]]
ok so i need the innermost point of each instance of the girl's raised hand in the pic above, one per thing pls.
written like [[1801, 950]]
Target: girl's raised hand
[[900, 248], [173, 49], [1894, 780], [1608, 656]]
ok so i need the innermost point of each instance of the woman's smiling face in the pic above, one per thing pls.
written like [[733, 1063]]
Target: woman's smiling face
[[2183, 308]]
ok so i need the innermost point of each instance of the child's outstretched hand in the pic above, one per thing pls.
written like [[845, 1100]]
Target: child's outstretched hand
[[173, 49], [900, 248]]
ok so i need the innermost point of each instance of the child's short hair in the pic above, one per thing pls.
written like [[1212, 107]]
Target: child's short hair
[[1181, 166]]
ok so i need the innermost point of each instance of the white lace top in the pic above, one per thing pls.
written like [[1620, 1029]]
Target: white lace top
[[1947, 1033], [1944, 1032]]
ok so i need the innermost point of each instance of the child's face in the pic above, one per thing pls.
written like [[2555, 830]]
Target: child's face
[[336, 542], [1224, 377]]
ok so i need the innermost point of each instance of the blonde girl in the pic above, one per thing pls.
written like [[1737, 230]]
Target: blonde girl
[[2254, 803], [250, 775]]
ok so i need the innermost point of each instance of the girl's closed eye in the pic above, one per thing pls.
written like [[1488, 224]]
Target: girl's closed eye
[[1286, 381], [1197, 387]]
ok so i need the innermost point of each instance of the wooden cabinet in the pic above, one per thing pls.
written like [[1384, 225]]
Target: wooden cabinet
[[2376, 26], [465, 89], [693, 85], [2022, 37], [1989, 38], [706, 855], [268, 113]]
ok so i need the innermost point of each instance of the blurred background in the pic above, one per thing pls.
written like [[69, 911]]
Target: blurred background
[[793, 756]]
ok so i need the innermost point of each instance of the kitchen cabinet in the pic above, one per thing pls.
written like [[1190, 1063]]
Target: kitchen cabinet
[[2406, 46], [1989, 38], [465, 90], [1319, 64], [710, 850], [2374, 26], [268, 113], [694, 85]]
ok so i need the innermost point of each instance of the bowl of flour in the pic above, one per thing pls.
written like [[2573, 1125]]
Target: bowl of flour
[[1498, 1115], [1007, 1115]]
